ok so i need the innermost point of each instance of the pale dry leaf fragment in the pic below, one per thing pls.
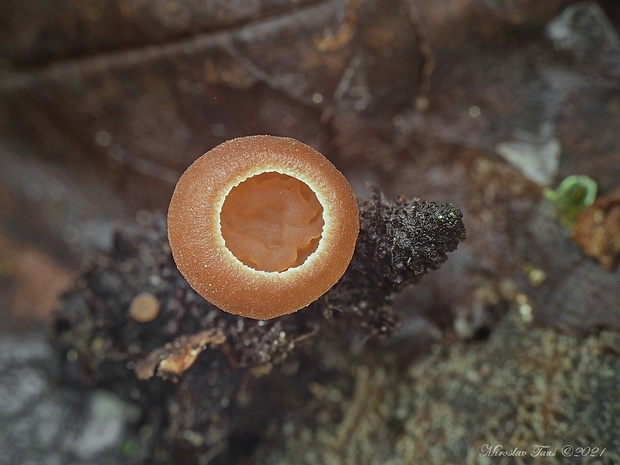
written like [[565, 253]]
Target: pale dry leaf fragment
[[177, 356]]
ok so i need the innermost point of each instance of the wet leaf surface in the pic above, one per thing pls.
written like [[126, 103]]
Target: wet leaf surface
[[475, 103], [520, 96]]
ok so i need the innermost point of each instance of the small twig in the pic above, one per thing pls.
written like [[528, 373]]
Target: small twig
[[422, 98]]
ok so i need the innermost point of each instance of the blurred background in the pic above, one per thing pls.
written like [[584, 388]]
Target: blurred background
[[484, 104]]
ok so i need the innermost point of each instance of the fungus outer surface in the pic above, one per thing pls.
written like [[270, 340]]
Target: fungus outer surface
[[261, 226]]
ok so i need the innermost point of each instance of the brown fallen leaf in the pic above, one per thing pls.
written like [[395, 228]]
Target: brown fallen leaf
[[598, 230]]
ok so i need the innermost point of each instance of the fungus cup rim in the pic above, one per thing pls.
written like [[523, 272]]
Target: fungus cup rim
[[200, 251]]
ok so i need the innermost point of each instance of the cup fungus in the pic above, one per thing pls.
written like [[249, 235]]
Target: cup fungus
[[144, 307], [261, 226]]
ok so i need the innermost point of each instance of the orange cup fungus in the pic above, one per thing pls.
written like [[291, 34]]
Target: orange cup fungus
[[262, 226]]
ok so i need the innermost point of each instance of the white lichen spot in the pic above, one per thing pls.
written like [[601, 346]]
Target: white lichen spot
[[474, 111], [103, 138], [317, 98]]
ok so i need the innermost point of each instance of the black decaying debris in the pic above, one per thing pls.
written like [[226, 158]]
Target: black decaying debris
[[242, 365], [399, 242], [403, 240]]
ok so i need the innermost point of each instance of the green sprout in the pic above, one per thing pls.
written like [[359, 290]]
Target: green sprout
[[129, 448], [572, 196]]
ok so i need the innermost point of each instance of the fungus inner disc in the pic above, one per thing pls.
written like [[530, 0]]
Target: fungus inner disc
[[271, 222]]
